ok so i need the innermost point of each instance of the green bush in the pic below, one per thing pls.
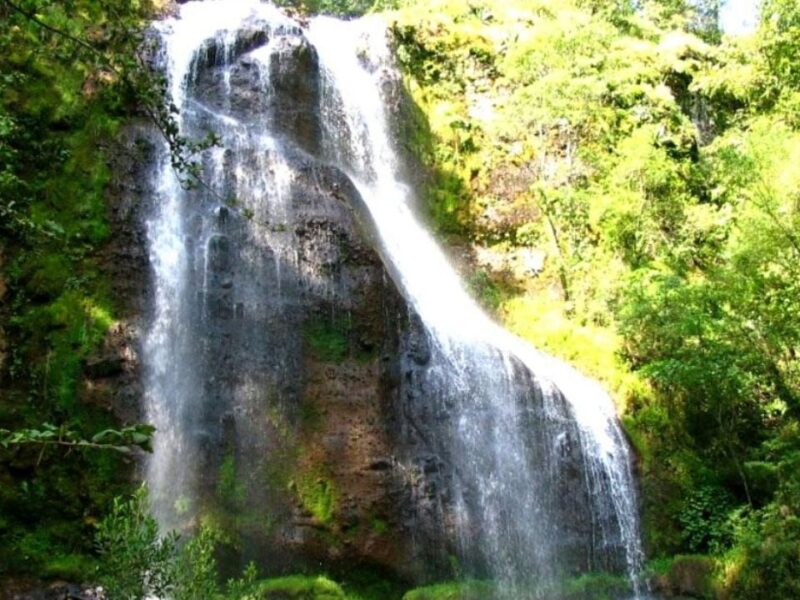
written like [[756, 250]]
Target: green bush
[[596, 586], [695, 576], [136, 562], [196, 569], [705, 519], [457, 590], [344, 8], [299, 587], [765, 562]]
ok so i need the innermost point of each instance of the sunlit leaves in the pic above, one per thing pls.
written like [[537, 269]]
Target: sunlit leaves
[[119, 440]]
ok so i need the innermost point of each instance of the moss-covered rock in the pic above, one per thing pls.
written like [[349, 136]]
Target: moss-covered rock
[[456, 590], [299, 587], [692, 576]]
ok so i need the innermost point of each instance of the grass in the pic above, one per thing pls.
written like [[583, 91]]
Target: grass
[[454, 590]]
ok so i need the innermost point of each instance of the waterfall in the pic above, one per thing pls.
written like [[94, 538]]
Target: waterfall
[[535, 477]]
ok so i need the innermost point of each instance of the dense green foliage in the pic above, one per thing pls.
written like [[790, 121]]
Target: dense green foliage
[[627, 181], [137, 563], [68, 80]]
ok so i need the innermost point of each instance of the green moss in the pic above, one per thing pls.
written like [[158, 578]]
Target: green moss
[[310, 416], [61, 309], [591, 586], [54, 549], [48, 275], [230, 489], [379, 526], [367, 355], [456, 590], [695, 575], [328, 339], [56, 121], [317, 494], [70, 567], [596, 586], [362, 583], [276, 474], [299, 587]]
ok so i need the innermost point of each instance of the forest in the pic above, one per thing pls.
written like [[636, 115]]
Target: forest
[[617, 183]]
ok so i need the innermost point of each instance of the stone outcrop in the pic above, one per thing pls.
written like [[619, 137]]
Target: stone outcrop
[[58, 590], [318, 428], [296, 323], [113, 372]]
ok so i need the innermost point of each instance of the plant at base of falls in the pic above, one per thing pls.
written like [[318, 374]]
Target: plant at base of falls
[[137, 562], [119, 440], [695, 576], [456, 590], [299, 586], [196, 569], [242, 588]]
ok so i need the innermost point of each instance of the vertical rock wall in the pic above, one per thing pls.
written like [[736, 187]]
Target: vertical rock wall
[[321, 429]]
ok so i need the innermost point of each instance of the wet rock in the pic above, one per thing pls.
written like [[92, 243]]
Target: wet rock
[[52, 591], [278, 86], [108, 365], [294, 79], [221, 51], [382, 464]]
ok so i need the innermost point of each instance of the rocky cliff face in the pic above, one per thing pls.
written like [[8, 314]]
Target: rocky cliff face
[[296, 327], [314, 423]]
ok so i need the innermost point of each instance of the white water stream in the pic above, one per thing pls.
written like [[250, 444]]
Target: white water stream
[[478, 371]]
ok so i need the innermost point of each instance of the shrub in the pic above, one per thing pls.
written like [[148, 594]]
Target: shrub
[[137, 562]]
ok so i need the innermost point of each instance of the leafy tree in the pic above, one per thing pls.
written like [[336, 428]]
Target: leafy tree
[[780, 41], [137, 562], [196, 568], [122, 440]]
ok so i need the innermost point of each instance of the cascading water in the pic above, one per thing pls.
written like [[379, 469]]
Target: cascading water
[[474, 372], [537, 484], [190, 235]]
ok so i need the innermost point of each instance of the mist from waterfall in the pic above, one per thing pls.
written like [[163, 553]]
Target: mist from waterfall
[[517, 419]]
